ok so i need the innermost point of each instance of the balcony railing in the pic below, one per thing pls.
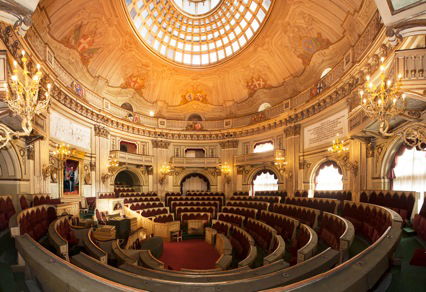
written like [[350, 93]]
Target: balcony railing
[[132, 158], [195, 161]]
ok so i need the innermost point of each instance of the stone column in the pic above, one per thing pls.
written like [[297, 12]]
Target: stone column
[[229, 150], [161, 155], [101, 147], [292, 142]]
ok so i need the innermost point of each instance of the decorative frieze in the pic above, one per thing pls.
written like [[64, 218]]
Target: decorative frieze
[[101, 131], [229, 144], [160, 144]]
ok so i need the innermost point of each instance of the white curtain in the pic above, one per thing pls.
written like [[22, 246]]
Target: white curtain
[[265, 182], [194, 183], [329, 179], [410, 173]]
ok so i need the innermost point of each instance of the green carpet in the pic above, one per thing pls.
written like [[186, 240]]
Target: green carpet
[[407, 277]]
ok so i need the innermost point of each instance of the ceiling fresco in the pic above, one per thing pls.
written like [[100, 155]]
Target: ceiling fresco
[[95, 41]]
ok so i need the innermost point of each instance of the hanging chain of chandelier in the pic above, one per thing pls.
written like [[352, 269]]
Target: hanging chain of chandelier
[[24, 99], [385, 101]]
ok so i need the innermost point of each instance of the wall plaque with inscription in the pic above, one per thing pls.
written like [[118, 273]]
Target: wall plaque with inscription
[[68, 131], [323, 132]]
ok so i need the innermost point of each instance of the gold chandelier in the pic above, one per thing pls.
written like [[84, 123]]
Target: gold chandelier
[[62, 152], [24, 99], [280, 160], [383, 102], [338, 146]]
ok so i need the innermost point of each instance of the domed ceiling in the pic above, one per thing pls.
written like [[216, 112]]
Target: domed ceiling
[[217, 58]]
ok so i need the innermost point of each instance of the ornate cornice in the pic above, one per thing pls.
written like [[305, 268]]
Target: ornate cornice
[[101, 131], [229, 144], [160, 144]]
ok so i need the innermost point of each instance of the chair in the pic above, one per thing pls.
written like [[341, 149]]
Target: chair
[[177, 236]]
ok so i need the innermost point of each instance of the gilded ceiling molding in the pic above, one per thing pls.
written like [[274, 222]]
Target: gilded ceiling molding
[[160, 144], [229, 144], [101, 131]]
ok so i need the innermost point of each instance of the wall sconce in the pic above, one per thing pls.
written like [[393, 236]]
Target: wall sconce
[[165, 170], [225, 169], [280, 160], [113, 165]]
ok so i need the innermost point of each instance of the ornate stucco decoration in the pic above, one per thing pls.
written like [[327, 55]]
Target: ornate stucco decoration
[[304, 164], [292, 131], [243, 170], [21, 13], [87, 174], [229, 144], [194, 93], [101, 131], [255, 83], [351, 166], [160, 144]]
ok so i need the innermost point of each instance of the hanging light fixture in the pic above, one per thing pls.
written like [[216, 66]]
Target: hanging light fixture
[[280, 160], [383, 102], [62, 152], [338, 146], [24, 99]]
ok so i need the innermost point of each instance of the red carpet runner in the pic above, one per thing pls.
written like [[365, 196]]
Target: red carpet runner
[[189, 254]]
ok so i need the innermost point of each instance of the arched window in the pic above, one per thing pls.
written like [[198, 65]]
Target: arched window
[[329, 177], [408, 172], [265, 181], [263, 147], [264, 106], [195, 118], [325, 72], [127, 106]]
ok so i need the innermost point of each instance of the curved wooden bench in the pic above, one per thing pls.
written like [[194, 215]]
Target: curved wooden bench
[[201, 271], [278, 253], [315, 265], [94, 250], [149, 261], [309, 249], [361, 272], [121, 255], [56, 240], [56, 274], [223, 245]]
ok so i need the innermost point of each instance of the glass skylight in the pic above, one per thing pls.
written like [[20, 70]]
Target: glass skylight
[[197, 33]]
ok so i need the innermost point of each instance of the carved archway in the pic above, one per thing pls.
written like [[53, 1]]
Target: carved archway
[[10, 169], [319, 164], [194, 174], [209, 175], [134, 172]]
